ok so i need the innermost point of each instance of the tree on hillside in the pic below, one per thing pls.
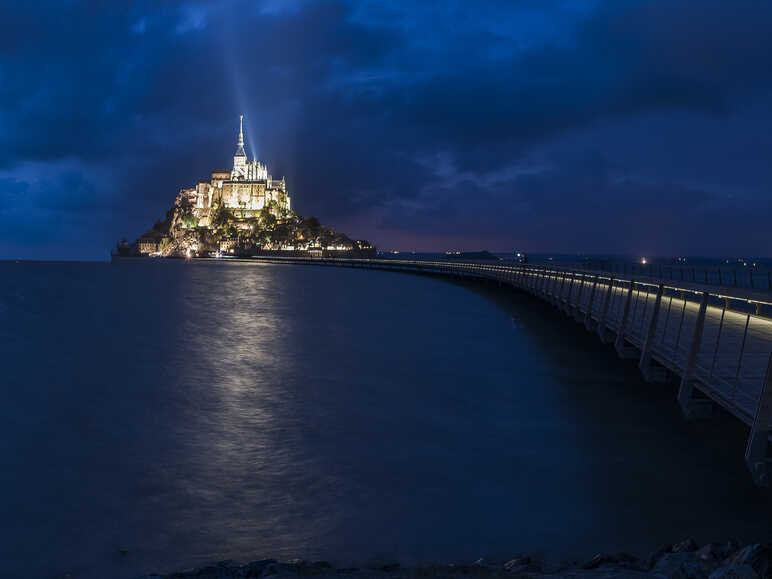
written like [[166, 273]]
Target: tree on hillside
[[267, 219], [282, 235], [310, 228], [189, 220], [221, 218]]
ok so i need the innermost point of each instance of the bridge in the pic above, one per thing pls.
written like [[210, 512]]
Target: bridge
[[717, 341]]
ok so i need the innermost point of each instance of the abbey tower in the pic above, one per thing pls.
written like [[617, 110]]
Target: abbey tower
[[245, 190]]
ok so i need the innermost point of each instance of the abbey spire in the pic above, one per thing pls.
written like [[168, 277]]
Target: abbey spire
[[243, 168], [240, 147], [240, 158]]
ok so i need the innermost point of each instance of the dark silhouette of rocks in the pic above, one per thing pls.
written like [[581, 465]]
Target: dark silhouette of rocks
[[683, 560]]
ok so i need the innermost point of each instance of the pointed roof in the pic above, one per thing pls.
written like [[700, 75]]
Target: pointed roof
[[240, 147]]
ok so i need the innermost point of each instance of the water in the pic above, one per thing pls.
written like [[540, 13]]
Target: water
[[157, 415]]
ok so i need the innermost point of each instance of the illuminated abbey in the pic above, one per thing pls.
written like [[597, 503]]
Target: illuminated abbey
[[245, 190], [244, 212]]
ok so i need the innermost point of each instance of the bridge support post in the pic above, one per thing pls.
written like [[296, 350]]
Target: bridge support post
[[578, 306], [544, 282], [553, 281], [624, 351], [691, 407], [758, 442], [559, 296], [588, 314], [566, 306], [548, 285], [554, 287], [651, 373], [602, 329]]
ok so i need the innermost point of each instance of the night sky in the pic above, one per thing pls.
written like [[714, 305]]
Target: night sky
[[544, 125]]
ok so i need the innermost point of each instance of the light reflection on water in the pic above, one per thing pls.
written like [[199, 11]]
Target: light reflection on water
[[187, 412]]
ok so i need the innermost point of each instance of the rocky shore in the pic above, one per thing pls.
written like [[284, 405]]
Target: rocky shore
[[683, 560]]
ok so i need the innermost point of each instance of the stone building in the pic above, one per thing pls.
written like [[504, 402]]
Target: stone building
[[147, 245], [245, 190]]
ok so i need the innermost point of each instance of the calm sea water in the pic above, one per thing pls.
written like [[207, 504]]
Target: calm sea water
[[156, 415]]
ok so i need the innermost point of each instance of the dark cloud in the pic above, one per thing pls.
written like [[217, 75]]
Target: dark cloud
[[500, 123]]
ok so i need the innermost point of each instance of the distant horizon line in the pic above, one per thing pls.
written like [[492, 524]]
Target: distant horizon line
[[540, 254]]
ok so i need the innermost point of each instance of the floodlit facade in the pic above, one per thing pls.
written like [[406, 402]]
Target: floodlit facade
[[147, 245], [245, 190]]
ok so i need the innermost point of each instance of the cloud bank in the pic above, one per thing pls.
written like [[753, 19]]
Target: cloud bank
[[554, 125]]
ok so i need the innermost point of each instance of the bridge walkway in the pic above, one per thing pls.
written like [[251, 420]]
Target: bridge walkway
[[717, 341]]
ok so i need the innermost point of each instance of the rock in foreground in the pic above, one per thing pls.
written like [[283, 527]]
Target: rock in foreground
[[683, 560]]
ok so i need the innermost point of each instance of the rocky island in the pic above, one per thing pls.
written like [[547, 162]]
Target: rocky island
[[240, 212]]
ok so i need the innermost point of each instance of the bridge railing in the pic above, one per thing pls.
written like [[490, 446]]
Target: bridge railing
[[716, 340], [741, 273]]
